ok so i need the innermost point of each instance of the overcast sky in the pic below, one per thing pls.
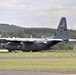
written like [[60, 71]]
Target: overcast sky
[[38, 13]]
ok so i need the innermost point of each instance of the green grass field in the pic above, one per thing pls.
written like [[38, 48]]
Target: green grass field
[[59, 61]]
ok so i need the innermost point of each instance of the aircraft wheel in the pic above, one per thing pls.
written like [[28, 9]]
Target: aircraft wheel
[[35, 51], [26, 51], [9, 50]]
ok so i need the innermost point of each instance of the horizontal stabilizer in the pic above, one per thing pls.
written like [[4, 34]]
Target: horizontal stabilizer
[[71, 39]]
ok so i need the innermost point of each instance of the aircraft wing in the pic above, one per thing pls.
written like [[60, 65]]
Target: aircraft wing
[[27, 40], [15, 40]]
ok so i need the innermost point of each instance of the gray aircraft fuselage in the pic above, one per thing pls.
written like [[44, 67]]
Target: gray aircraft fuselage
[[37, 44], [34, 47]]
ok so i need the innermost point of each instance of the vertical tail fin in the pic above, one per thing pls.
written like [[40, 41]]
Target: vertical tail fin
[[61, 32]]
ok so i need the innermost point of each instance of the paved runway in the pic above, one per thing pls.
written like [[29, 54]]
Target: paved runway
[[35, 73]]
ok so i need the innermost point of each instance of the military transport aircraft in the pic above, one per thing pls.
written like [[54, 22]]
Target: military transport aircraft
[[37, 44]]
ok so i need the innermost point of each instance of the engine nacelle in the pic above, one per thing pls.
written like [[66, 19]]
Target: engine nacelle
[[12, 46]]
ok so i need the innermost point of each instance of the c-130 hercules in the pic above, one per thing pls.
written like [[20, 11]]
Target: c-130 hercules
[[37, 44]]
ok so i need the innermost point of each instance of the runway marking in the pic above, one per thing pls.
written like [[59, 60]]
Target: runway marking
[[66, 74]]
